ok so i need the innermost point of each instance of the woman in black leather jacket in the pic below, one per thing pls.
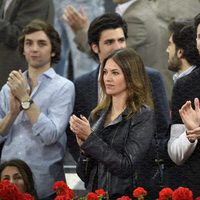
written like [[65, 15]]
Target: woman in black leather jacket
[[117, 137]]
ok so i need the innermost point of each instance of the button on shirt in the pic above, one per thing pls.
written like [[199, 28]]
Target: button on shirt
[[42, 145]]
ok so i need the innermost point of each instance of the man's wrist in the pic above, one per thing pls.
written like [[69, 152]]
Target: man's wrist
[[25, 105]]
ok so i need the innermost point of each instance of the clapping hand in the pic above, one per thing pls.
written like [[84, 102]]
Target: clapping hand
[[191, 119], [17, 85], [77, 20], [80, 127]]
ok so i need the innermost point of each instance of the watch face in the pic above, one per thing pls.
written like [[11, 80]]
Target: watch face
[[25, 105]]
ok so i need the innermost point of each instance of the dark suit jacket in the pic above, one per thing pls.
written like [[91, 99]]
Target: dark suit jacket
[[19, 14], [186, 89], [87, 98]]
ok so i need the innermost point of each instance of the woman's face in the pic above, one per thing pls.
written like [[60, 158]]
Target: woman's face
[[114, 80], [13, 175]]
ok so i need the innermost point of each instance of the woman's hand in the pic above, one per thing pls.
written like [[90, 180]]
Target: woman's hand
[[80, 127]]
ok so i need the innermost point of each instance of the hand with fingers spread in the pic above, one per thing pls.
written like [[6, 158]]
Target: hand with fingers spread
[[77, 20], [191, 119], [17, 85], [190, 116], [80, 127]]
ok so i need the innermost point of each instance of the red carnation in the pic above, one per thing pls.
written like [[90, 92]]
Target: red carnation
[[124, 198], [9, 191], [26, 196], [165, 194], [100, 192], [60, 197], [92, 196], [139, 193], [182, 193], [62, 189]]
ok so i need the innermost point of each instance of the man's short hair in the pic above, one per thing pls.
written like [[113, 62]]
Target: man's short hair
[[105, 22], [52, 34], [184, 37]]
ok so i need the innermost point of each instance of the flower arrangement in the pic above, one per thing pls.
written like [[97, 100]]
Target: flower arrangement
[[63, 192], [9, 191]]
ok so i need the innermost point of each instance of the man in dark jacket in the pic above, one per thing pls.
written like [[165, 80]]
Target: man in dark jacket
[[182, 150]]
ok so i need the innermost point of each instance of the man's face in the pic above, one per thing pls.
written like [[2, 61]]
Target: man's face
[[198, 38], [174, 63], [38, 50], [110, 40]]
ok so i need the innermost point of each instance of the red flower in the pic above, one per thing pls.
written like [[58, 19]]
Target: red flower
[[26, 196], [139, 193], [9, 191], [100, 192], [182, 193], [62, 189], [165, 194], [60, 197], [92, 196], [124, 198], [197, 198]]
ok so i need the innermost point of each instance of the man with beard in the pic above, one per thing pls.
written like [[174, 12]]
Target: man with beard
[[183, 54], [184, 59]]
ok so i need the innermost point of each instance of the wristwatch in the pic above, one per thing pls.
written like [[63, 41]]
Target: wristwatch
[[25, 105]]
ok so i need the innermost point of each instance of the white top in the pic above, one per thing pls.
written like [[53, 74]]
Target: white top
[[179, 147]]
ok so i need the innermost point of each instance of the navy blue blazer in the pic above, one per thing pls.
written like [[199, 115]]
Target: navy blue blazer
[[86, 99]]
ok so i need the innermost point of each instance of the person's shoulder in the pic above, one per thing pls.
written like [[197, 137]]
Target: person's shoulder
[[152, 71], [146, 109], [5, 89], [144, 113], [191, 78], [62, 81], [87, 77]]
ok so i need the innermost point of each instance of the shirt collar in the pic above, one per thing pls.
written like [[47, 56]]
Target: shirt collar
[[121, 8], [50, 73], [176, 76]]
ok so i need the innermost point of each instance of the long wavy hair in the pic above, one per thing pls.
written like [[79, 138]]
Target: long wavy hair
[[138, 85]]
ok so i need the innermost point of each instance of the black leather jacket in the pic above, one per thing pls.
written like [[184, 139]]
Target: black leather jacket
[[115, 153]]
